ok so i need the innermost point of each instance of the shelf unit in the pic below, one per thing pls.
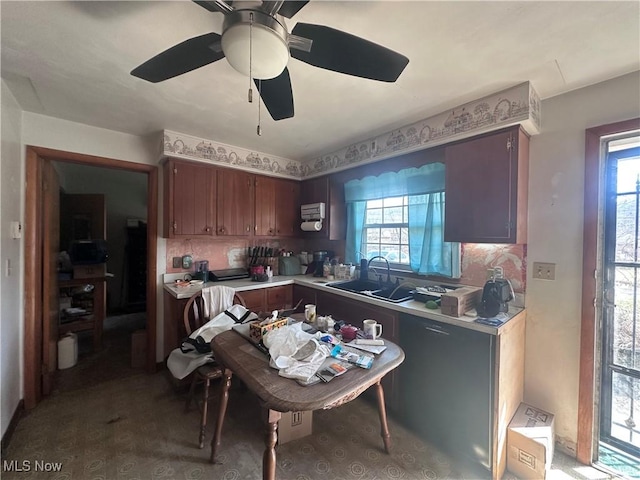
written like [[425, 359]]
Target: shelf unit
[[91, 300]]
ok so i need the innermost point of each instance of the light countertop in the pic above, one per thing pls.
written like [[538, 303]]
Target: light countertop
[[410, 307]]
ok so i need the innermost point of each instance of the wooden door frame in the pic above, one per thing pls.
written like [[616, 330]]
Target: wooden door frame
[[33, 264], [589, 331]]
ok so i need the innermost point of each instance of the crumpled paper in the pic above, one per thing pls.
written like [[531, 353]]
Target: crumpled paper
[[283, 344]]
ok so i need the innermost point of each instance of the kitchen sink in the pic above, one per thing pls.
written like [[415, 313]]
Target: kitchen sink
[[375, 290]]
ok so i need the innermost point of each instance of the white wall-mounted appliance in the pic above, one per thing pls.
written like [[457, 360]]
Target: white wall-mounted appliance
[[312, 215]]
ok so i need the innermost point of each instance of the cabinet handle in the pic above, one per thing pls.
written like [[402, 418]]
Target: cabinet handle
[[435, 330], [208, 229], [221, 230], [248, 227], [175, 226]]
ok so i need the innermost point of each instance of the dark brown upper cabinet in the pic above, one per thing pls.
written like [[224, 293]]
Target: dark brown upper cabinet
[[235, 194], [189, 199], [487, 187], [276, 207], [331, 192]]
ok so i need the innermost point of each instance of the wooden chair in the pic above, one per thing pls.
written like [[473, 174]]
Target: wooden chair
[[193, 319]]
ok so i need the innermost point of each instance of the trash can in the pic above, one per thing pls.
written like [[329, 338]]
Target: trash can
[[67, 351]]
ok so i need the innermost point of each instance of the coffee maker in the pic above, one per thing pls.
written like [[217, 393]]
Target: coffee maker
[[319, 257], [202, 270]]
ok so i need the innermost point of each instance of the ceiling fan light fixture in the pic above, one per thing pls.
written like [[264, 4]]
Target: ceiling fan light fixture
[[270, 52]]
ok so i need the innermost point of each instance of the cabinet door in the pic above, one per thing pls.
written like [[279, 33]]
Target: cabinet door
[[265, 206], [279, 297], [306, 294], [235, 195], [354, 312], [190, 197], [287, 208], [255, 300], [486, 188]]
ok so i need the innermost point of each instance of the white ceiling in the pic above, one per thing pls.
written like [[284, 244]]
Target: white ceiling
[[72, 60]]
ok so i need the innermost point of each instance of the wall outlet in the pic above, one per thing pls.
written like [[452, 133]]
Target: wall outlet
[[177, 262], [490, 273], [544, 271]]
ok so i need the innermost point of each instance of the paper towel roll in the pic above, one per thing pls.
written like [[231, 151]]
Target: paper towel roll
[[67, 351], [311, 226]]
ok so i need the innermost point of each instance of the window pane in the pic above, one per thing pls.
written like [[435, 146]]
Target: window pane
[[404, 236], [625, 405], [405, 214], [393, 215], [393, 202], [625, 327], [626, 228], [628, 172], [374, 216], [374, 203], [390, 235], [372, 235]]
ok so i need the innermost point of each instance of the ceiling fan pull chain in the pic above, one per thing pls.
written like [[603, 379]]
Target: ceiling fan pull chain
[[250, 94], [259, 128]]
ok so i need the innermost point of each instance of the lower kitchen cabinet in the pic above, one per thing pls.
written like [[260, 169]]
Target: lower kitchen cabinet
[[306, 294], [460, 387], [355, 312], [263, 299], [268, 299]]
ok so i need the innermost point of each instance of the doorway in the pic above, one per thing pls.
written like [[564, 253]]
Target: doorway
[[620, 305], [39, 160]]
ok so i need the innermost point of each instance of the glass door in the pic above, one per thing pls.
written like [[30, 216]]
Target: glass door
[[620, 392]]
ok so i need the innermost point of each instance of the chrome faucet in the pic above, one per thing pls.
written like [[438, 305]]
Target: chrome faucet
[[388, 268]]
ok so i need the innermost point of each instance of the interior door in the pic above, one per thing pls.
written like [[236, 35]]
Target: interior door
[[50, 247]]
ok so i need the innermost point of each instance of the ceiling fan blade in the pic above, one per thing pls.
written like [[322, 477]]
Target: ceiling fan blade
[[290, 7], [215, 6], [345, 53], [277, 95], [182, 58]]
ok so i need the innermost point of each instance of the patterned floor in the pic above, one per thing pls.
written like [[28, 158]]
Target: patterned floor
[[135, 427]]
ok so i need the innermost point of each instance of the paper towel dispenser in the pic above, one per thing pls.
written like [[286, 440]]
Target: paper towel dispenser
[[312, 211]]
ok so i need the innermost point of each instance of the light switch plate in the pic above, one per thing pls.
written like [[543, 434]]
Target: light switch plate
[[544, 271]]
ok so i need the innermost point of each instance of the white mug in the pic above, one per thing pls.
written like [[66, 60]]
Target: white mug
[[310, 313], [372, 329]]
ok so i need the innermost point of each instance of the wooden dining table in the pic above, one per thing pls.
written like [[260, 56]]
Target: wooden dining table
[[279, 394]]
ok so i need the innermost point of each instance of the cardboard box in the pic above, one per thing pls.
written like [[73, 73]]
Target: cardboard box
[[90, 271], [460, 301], [294, 425], [256, 331], [530, 442], [139, 349]]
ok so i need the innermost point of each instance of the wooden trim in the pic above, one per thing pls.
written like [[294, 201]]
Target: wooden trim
[[94, 161], [13, 423], [152, 267], [508, 388], [33, 243], [32, 285], [589, 329]]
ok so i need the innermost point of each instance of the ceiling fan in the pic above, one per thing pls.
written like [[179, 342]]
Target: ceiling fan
[[256, 42]]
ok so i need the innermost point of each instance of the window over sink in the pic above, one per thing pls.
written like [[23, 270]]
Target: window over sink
[[400, 217]]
